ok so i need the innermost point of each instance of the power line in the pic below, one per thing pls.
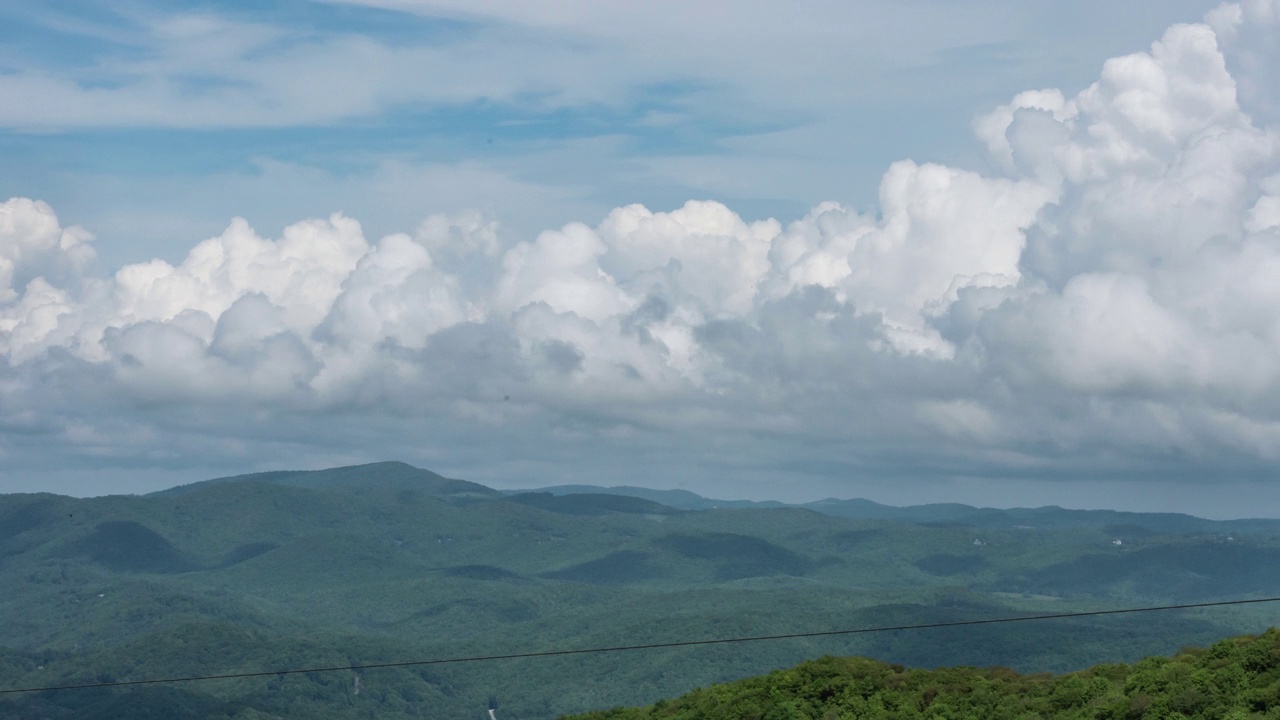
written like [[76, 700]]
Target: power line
[[649, 646]]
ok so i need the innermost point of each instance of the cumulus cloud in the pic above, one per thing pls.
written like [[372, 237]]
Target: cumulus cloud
[[1108, 297], [33, 244]]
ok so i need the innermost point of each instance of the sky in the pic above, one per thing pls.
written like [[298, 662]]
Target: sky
[[994, 251]]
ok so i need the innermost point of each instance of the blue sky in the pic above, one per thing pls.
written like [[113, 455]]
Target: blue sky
[[566, 119], [911, 250]]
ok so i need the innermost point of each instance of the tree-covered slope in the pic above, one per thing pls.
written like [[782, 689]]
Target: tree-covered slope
[[382, 563], [1232, 680], [382, 475]]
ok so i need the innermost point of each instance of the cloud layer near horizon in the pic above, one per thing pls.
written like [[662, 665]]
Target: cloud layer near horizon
[[1106, 304]]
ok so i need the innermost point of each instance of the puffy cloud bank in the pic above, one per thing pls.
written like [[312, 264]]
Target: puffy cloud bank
[[1102, 298]]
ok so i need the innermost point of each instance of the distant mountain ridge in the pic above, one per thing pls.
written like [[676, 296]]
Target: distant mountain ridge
[[390, 475], [679, 499], [395, 475], [591, 503], [1048, 516], [958, 514]]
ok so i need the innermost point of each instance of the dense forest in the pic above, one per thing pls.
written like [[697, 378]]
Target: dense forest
[[1232, 680], [387, 563]]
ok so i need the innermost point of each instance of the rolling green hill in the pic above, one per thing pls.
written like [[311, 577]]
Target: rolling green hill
[[387, 562], [1235, 679]]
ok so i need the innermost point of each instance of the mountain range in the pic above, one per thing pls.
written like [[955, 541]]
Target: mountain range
[[385, 563]]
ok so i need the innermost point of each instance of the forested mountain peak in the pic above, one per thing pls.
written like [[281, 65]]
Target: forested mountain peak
[[380, 475]]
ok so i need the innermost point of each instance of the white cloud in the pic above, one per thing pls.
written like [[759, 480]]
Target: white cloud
[[1247, 33], [705, 251], [941, 230], [1109, 297], [32, 244]]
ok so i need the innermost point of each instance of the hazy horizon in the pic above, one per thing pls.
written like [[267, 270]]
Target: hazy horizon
[[1216, 503]]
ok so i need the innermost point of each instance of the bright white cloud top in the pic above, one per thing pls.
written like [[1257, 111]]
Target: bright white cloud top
[[1107, 305]]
